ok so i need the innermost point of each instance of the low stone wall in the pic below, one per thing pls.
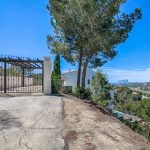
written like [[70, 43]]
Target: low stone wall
[[13, 82]]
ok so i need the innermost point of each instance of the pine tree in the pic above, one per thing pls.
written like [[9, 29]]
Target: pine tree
[[89, 31]]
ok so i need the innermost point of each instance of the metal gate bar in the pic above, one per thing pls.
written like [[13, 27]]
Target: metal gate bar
[[20, 75]]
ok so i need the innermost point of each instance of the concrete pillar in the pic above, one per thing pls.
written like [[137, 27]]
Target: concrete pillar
[[47, 76]]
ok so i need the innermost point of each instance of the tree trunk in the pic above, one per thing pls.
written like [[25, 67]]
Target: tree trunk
[[84, 71], [148, 136], [79, 69], [79, 73]]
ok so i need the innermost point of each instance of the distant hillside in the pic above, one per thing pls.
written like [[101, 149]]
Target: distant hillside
[[131, 84], [123, 81]]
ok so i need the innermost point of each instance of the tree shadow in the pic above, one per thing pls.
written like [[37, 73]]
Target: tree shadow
[[8, 121]]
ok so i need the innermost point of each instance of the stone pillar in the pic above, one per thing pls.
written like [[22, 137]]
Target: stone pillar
[[47, 75]]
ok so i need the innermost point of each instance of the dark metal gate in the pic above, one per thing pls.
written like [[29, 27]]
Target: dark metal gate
[[20, 75]]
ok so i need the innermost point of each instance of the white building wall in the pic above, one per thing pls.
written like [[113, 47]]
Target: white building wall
[[70, 78], [89, 76]]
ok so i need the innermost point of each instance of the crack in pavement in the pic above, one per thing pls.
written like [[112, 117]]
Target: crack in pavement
[[27, 146], [20, 141], [4, 137], [31, 124], [4, 123], [41, 128]]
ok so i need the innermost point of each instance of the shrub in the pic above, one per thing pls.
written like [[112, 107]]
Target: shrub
[[56, 76], [101, 88], [66, 89], [103, 103], [125, 94], [136, 127], [83, 93], [56, 86]]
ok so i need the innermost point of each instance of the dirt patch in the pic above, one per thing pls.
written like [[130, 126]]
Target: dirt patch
[[89, 128], [71, 135]]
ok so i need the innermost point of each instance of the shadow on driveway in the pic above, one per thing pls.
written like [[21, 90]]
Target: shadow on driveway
[[8, 121]]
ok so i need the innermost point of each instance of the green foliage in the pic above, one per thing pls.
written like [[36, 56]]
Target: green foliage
[[139, 108], [56, 71], [125, 94], [136, 127], [130, 102], [83, 93], [85, 23], [127, 100], [101, 87], [88, 31], [56, 76], [66, 89], [103, 103]]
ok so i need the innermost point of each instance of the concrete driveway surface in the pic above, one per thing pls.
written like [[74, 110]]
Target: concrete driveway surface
[[31, 123]]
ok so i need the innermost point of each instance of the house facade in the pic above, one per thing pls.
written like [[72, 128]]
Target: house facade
[[70, 78]]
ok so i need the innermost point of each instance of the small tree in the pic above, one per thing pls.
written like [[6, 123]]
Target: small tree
[[143, 111], [101, 87], [56, 75]]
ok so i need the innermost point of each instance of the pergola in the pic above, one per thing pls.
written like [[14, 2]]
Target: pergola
[[21, 65], [23, 62]]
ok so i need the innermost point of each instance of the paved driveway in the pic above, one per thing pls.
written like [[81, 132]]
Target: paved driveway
[[31, 123]]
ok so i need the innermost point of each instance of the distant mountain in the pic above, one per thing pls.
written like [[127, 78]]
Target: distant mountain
[[131, 84], [125, 81]]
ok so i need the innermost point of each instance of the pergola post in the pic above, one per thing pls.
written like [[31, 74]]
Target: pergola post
[[5, 76], [47, 75], [22, 77]]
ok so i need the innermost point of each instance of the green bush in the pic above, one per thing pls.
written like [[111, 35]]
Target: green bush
[[56, 86], [136, 127], [103, 103], [125, 94], [83, 93], [101, 88], [66, 89], [56, 76]]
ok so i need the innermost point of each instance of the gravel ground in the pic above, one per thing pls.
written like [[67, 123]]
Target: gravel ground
[[31, 123], [87, 128]]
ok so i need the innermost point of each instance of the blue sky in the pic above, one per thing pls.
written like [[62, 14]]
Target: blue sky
[[24, 25]]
